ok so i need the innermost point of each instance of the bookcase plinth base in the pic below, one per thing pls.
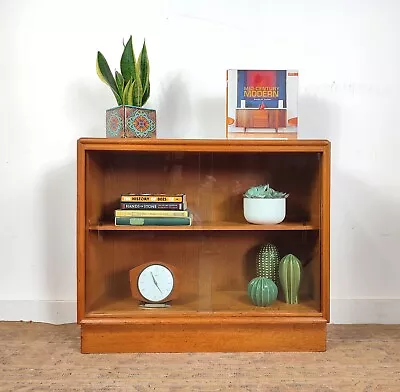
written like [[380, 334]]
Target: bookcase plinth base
[[278, 334]]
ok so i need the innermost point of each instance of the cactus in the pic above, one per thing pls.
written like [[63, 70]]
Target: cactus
[[268, 262], [262, 291], [289, 276]]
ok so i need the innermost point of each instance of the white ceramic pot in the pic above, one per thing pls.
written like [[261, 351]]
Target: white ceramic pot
[[264, 211]]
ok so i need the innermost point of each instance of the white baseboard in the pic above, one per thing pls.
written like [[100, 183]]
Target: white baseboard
[[343, 311], [53, 312], [365, 311]]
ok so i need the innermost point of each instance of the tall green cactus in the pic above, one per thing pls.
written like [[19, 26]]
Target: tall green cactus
[[290, 276], [262, 291], [268, 262]]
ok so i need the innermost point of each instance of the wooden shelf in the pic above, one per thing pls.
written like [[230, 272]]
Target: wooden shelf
[[208, 226], [223, 304]]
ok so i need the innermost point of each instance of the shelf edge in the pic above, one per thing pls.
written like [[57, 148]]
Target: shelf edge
[[234, 320], [216, 227]]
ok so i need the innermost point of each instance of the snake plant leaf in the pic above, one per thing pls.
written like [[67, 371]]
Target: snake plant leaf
[[146, 94], [117, 97], [104, 72], [128, 62], [120, 83], [137, 89], [105, 75], [126, 91], [144, 67], [130, 93]]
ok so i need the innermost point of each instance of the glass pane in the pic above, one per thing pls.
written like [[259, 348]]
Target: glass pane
[[214, 259]]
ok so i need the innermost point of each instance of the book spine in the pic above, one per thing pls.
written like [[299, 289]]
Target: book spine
[[150, 213], [153, 198], [153, 206], [153, 221]]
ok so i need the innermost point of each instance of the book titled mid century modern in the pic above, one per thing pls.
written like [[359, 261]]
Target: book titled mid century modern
[[261, 104]]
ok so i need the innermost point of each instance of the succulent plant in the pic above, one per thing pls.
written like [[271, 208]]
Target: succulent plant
[[131, 86], [264, 192]]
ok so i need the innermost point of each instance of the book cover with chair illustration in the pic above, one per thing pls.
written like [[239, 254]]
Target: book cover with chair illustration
[[261, 104]]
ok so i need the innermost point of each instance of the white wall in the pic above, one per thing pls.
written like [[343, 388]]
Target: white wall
[[348, 56]]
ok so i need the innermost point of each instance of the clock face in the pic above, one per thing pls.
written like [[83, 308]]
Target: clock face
[[155, 282]]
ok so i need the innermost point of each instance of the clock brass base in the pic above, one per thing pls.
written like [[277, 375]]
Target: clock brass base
[[152, 306]]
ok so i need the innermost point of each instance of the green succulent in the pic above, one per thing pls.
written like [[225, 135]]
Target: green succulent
[[131, 86], [264, 192]]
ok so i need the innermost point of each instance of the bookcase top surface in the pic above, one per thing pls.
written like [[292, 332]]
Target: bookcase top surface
[[113, 144]]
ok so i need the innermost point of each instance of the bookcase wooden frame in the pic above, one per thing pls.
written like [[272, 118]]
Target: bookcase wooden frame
[[214, 256]]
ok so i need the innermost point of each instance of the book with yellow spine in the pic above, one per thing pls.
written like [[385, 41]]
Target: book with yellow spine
[[151, 213], [148, 197]]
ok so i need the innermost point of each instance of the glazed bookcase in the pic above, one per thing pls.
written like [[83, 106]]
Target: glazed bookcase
[[215, 256]]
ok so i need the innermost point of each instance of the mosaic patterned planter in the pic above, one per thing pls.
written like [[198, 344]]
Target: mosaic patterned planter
[[130, 121]]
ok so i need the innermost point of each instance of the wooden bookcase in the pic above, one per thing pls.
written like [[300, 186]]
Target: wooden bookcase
[[215, 256]]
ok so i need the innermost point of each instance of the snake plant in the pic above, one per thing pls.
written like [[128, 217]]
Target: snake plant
[[131, 86]]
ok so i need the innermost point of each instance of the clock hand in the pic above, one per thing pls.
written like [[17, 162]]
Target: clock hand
[[155, 282], [154, 279]]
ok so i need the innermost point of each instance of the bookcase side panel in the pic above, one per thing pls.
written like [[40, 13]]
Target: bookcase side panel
[[80, 230], [98, 269], [94, 186], [325, 231]]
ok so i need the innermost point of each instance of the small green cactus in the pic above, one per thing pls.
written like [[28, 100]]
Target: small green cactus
[[262, 291], [290, 276], [268, 262]]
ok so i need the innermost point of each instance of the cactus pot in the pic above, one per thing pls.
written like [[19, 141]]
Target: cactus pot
[[130, 121], [264, 211]]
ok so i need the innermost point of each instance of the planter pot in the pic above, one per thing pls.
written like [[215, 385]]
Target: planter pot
[[264, 211], [130, 121]]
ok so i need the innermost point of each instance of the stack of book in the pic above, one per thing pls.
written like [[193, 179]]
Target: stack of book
[[153, 210]]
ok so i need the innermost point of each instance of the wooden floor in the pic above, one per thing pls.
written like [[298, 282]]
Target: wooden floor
[[43, 357]]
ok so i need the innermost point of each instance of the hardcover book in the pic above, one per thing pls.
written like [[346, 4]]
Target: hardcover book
[[153, 221], [153, 206], [150, 213], [261, 104], [153, 198]]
